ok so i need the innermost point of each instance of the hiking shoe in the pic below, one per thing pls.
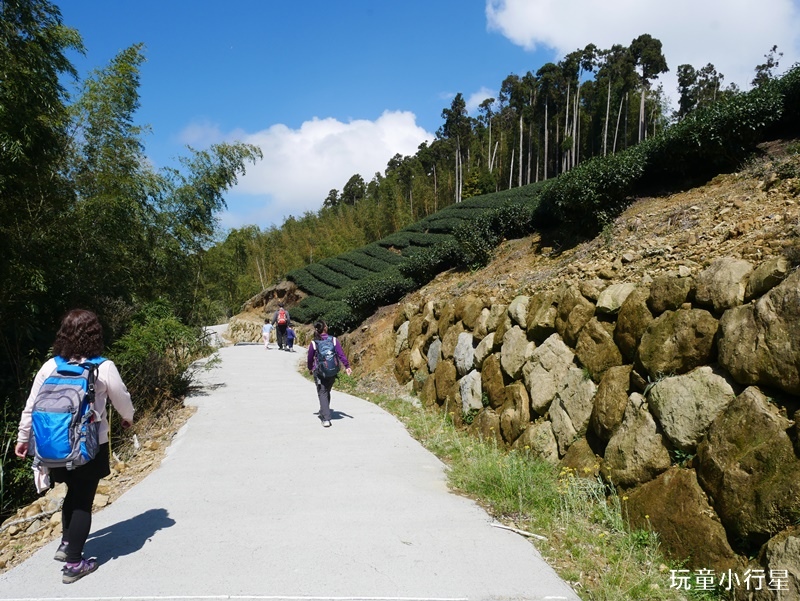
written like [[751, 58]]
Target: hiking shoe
[[61, 552], [73, 572], [326, 423]]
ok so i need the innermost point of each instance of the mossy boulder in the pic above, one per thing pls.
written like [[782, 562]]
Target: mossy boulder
[[678, 341], [676, 507], [749, 467]]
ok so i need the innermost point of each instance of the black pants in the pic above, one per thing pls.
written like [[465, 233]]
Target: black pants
[[76, 512], [280, 335], [324, 386]]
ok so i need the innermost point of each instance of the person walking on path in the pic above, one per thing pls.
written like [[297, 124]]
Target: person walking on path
[[266, 333], [325, 383], [79, 339], [290, 337], [281, 321]]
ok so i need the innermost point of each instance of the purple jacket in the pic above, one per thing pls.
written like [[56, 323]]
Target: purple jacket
[[312, 354]]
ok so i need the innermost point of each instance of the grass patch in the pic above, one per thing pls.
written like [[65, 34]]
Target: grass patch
[[589, 543]]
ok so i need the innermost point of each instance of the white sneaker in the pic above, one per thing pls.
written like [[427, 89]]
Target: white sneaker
[[326, 423]]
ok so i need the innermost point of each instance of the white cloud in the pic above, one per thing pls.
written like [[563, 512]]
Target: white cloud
[[734, 35], [301, 166], [475, 99]]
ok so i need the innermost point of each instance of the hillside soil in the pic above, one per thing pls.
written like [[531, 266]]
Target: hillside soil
[[753, 214]]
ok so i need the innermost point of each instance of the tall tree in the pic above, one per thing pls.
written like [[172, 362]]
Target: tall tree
[[765, 71], [34, 193], [648, 57], [458, 129]]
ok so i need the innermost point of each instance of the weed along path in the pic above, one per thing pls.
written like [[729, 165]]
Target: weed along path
[[256, 500]]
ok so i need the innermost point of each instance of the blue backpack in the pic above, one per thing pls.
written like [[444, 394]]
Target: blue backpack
[[65, 423], [327, 360]]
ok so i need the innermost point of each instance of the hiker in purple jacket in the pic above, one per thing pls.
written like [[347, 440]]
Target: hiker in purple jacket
[[324, 384]]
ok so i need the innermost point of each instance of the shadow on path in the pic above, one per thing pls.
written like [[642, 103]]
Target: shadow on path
[[124, 538]]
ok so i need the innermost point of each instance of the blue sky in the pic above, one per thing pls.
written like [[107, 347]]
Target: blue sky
[[330, 88]]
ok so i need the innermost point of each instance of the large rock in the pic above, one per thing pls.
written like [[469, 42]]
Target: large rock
[[471, 393], [445, 378], [610, 402], [581, 459], [417, 360], [678, 341], [686, 405], [481, 329], [518, 311], [402, 367], [748, 465], [428, 392], [450, 340], [574, 312], [487, 426], [405, 312], [632, 321], [515, 415], [464, 354], [541, 318], [415, 328], [497, 314], [543, 373], [503, 325], [766, 276], [483, 350], [493, 382], [722, 284], [676, 507], [668, 293], [572, 408], [780, 556], [515, 351], [636, 452], [468, 310], [539, 440], [434, 354], [447, 317], [596, 349], [401, 338], [760, 342], [610, 300]]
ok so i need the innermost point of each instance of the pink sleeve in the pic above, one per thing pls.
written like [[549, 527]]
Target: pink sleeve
[[24, 431]]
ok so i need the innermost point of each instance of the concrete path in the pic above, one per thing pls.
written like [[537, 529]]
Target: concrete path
[[256, 500]]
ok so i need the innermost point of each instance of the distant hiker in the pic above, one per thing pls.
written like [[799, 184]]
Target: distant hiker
[[281, 321], [79, 340], [266, 333], [325, 356], [290, 337]]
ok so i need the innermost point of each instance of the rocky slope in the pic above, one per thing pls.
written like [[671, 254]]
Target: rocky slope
[[663, 355]]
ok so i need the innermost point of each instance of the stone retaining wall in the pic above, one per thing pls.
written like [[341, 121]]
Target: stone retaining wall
[[681, 391]]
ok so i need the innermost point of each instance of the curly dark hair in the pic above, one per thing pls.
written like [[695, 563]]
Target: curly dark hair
[[80, 336]]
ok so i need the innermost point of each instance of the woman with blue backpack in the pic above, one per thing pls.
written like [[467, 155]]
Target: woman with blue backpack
[[82, 462], [325, 357]]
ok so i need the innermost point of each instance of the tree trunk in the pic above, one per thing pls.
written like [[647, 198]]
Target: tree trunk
[[616, 129], [519, 178], [511, 170], [565, 154], [642, 133], [545, 140], [608, 114], [576, 126]]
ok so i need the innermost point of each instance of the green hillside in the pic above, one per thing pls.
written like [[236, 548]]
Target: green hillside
[[345, 289]]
